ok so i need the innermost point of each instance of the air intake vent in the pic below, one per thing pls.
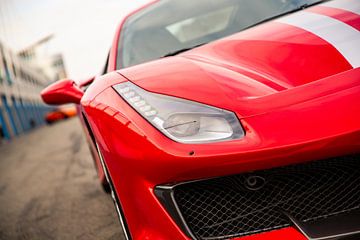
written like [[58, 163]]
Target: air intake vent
[[254, 202]]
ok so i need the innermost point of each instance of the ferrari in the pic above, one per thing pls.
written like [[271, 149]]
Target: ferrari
[[60, 113], [229, 119]]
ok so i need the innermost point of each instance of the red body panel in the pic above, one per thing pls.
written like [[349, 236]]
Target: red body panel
[[54, 116], [341, 15], [295, 94], [120, 131], [285, 233], [61, 92], [60, 113]]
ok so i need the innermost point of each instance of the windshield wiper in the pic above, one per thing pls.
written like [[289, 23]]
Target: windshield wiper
[[182, 50], [298, 8]]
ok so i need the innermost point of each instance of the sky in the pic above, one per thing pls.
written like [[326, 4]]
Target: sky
[[83, 29]]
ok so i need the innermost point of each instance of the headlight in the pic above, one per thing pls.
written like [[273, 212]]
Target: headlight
[[182, 120]]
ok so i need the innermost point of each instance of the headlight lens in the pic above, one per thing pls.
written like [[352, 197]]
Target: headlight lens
[[182, 120]]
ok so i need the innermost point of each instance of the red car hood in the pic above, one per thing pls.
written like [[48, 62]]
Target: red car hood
[[298, 57]]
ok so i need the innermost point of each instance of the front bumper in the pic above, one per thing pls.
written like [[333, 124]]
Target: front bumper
[[139, 158], [307, 195]]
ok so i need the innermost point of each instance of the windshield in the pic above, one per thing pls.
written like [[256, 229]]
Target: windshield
[[172, 25]]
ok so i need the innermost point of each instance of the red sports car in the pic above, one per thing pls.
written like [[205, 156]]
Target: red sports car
[[229, 119], [60, 113]]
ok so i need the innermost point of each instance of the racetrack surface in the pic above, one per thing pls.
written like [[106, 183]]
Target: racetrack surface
[[49, 188]]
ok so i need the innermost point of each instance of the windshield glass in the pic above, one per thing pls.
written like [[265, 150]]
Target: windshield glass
[[172, 25]]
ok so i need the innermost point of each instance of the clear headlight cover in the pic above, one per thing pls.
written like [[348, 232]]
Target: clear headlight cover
[[182, 120]]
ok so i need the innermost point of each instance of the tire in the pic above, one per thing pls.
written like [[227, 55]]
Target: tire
[[104, 183], [106, 186]]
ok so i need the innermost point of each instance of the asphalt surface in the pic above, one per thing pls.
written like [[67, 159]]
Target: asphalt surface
[[49, 188]]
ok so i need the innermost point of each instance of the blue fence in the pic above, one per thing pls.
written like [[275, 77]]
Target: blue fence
[[19, 113], [4, 130], [9, 112], [22, 116]]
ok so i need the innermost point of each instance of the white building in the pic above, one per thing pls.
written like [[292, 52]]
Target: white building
[[21, 108], [37, 54]]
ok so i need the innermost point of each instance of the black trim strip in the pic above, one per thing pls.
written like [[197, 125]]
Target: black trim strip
[[165, 194], [115, 197], [89, 128], [339, 227]]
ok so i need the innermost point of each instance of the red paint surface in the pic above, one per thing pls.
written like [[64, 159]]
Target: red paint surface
[[282, 234], [347, 17], [62, 92], [139, 157]]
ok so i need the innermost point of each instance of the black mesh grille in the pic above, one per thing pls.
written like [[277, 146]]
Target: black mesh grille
[[226, 207]]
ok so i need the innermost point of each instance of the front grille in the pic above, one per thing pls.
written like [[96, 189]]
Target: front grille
[[255, 202]]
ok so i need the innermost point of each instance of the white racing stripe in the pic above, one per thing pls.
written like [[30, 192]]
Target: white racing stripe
[[340, 35], [347, 5]]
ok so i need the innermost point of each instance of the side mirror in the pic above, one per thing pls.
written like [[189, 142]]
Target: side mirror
[[62, 92]]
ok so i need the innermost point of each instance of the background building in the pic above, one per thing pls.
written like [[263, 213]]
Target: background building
[[21, 108], [37, 54]]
